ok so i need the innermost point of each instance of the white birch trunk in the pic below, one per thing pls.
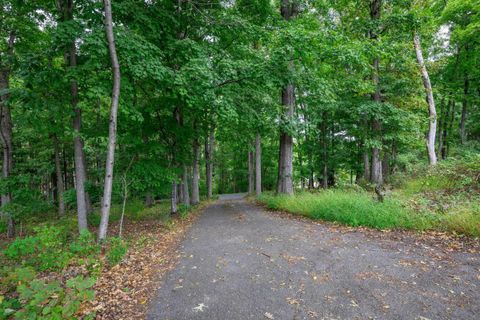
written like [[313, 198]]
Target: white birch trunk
[[112, 130], [432, 128]]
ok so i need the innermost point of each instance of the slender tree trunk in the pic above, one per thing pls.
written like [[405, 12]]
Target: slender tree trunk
[[66, 8], [124, 204], [432, 111], [6, 134], [288, 9], [325, 150], [258, 165], [285, 163], [59, 177], [251, 174], [149, 200], [173, 202], [209, 153], [463, 119], [112, 130], [185, 191], [366, 165], [445, 137], [450, 129], [196, 173], [376, 171], [441, 119]]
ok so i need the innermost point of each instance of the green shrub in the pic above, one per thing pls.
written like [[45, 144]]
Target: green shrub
[[117, 250], [44, 251], [84, 245]]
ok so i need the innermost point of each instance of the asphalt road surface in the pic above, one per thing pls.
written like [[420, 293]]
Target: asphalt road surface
[[241, 262]]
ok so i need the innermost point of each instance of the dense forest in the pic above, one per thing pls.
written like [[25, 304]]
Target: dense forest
[[174, 101]]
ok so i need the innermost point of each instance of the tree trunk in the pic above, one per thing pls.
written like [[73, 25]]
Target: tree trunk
[[112, 130], [59, 177], [185, 191], [325, 150], [258, 165], [366, 166], [440, 128], [251, 173], [209, 153], [450, 129], [288, 10], [285, 163], [6, 134], [445, 133], [376, 171], [66, 9], [196, 173], [149, 200], [463, 119], [432, 111], [173, 202]]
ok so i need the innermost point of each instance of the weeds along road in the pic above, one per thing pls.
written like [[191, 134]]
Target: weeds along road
[[241, 262]]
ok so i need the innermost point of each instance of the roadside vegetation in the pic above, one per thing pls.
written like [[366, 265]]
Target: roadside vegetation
[[50, 271], [445, 197]]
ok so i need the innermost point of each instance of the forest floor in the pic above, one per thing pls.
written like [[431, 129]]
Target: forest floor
[[124, 290], [239, 261]]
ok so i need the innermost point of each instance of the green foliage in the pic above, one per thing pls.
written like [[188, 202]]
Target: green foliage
[[116, 251], [84, 245], [45, 250], [45, 299]]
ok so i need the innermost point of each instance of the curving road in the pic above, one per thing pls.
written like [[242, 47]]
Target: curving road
[[240, 262]]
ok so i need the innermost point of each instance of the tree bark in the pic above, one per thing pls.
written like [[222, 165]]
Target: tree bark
[[173, 199], [59, 177], [196, 173], [450, 129], [366, 166], [185, 191], [65, 7], [441, 119], [325, 150], [258, 165], [149, 200], [251, 180], [463, 119], [288, 10], [209, 153], [112, 130], [285, 163], [6, 133], [376, 171], [432, 111]]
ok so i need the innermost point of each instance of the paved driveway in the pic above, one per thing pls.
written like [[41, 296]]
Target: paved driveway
[[240, 262]]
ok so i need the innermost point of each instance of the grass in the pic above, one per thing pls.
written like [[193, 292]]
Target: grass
[[359, 208], [445, 198], [352, 208]]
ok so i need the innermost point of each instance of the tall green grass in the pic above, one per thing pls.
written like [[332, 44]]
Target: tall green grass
[[352, 208]]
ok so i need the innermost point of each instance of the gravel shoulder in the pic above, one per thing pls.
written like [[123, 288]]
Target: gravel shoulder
[[239, 261]]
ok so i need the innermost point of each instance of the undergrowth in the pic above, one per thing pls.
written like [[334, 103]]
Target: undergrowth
[[352, 208], [50, 271], [445, 197]]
